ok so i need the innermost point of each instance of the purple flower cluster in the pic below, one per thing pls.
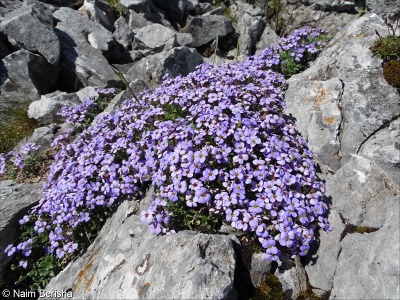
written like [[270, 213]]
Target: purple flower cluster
[[18, 159], [303, 46], [76, 114], [215, 140], [3, 161], [26, 150]]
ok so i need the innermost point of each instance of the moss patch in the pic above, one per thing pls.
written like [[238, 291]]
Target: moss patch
[[269, 289], [391, 72], [15, 127]]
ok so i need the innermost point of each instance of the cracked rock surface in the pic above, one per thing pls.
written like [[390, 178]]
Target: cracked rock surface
[[365, 103], [349, 115]]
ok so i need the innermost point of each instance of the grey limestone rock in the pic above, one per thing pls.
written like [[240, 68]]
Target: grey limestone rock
[[385, 8], [384, 145], [123, 33], [350, 118], [99, 11], [42, 136], [249, 26], [85, 47], [87, 93], [302, 15], [364, 192], [322, 266], [160, 38], [29, 73], [137, 20], [333, 5], [178, 61], [37, 34], [146, 14], [84, 31], [125, 261], [268, 38], [15, 200], [260, 268], [205, 28], [320, 103], [45, 110], [347, 100], [175, 10], [292, 276], [136, 5], [7, 6], [217, 60], [368, 265]]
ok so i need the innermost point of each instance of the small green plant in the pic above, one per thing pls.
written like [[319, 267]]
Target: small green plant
[[228, 13], [293, 63], [274, 9], [119, 9], [387, 47], [194, 219], [362, 11]]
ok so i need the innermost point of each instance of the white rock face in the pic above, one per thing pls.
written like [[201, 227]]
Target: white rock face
[[350, 116]]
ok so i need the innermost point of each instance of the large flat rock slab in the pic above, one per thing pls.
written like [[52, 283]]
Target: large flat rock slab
[[126, 262]]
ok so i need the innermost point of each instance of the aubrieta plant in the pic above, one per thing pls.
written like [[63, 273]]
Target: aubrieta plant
[[215, 144]]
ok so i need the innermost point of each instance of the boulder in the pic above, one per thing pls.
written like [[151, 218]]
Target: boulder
[[175, 10], [343, 99], [87, 93], [6, 6], [42, 136], [27, 76], [135, 5], [268, 38], [364, 192], [335, 5], [204, 29], [178, 61], [349, 115], [125, 261], [303, 14], [85, 47], [137, 20], [322, 261], [37, 34], [260, 268], [123, 33], [249, 26], [45, 110], [160, 38], [15, 200], [385, 8], [368, 265], [380, 146], [146, 14], [99, 11], [84, 31], [292, 276]]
